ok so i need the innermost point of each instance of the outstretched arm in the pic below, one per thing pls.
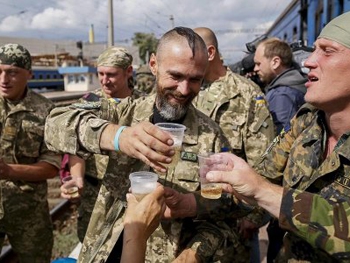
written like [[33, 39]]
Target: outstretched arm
[[247, 185], [141, 219], [143, 141]]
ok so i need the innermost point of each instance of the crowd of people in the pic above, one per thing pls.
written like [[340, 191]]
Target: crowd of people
[[285, 142]]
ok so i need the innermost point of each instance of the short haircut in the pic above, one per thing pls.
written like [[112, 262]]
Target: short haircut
[[276, 47], [208, 36], [194, 41]]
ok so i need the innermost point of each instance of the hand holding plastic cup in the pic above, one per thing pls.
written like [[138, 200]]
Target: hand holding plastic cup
[[212, 162], [177, 133], [142, 183], [208, 190], [70, 184]]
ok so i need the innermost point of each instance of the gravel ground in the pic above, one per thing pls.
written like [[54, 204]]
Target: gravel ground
[[65, 234]]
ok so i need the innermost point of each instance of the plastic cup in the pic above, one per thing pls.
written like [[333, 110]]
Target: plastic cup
[[208, 189], [142, 183], [175, 130], [70, 184], [177, 133]]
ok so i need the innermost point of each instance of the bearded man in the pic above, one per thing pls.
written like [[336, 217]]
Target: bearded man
[[126, 132]]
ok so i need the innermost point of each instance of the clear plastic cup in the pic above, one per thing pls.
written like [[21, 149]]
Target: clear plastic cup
[[208, 189], [70, 184], [177, 133], [142, 183]]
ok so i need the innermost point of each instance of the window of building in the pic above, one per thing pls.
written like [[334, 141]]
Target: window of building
[[70, 78], [318, 17], [91, 78], [295, 34]]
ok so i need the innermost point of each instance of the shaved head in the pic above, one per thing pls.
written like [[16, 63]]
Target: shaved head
[[177, 35], [208, 36]]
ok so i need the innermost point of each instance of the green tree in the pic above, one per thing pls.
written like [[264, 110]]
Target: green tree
[[147, 44]]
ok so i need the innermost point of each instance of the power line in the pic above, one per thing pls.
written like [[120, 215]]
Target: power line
[[241, 31]]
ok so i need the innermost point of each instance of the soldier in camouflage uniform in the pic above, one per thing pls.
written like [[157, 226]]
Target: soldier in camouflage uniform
[[235, 103], [179, 66], [145, 80], [239, 107], [310, 159], [114, 68], [25, 161]]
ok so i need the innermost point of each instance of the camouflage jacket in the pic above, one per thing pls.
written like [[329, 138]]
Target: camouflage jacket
[[22, 142], [239, 107], [145, 80], [316, 202], [202, 135]]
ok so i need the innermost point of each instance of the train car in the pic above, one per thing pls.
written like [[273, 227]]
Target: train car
[[303, 20], [46, 78]]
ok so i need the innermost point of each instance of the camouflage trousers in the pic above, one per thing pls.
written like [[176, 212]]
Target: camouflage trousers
[[213, 242], [27, 224], [87, 202], [296, 250], [228, 247]]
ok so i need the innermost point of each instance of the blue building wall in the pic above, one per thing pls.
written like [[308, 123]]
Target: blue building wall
[[289, 23]]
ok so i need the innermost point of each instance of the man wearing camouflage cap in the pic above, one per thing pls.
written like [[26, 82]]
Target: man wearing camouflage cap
[[310, 159], [114, 68], [25, 161]]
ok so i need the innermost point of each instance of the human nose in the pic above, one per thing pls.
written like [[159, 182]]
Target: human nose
[[104, 80], [184, 87], [3, 77], [310, 61]]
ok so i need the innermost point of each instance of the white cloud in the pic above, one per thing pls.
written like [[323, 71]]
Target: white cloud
[[67, 19]]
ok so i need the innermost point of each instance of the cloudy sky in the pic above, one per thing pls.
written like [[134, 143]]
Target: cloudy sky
[[235, 22]]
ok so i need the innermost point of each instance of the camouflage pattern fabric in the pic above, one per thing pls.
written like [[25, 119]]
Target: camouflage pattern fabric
[[115, 57], [315, 206], [145, 80], [202, 135], [15, 55], [26, 212], [95, 169], [239, 107]]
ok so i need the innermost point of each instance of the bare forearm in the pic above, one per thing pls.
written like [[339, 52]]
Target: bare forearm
[[77, 166], [134, 245], [107, 137], [35, 172], [269, 197]]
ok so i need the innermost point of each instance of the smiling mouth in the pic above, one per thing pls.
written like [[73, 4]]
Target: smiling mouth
[[313, 79]]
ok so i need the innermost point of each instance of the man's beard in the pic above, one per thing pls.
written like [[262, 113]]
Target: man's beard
[[169, 111]]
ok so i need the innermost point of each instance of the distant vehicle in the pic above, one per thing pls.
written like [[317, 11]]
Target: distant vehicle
[[46, 79], [303, 20]]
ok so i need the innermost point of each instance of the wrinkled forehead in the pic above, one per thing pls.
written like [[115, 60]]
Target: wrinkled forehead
[[338, 30], [324, 43]]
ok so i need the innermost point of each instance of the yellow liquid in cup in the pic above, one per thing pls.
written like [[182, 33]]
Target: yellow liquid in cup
[[211, 190], [73, 191], [175, 158]]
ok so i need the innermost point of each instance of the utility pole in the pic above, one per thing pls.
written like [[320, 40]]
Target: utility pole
[[110, 24], [172, 21]]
